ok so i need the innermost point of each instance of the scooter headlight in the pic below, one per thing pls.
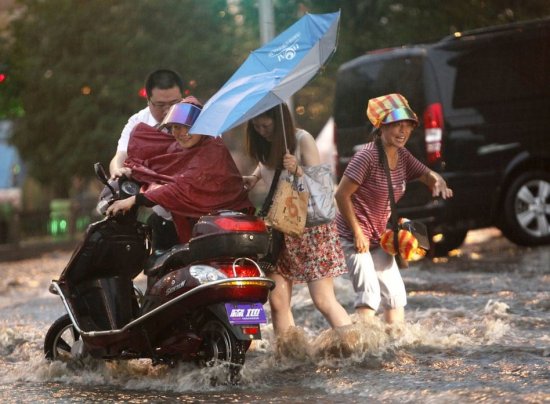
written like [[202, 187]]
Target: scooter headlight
[[206, 274]]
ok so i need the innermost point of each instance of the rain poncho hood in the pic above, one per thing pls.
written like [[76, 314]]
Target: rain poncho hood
[[187, 182]]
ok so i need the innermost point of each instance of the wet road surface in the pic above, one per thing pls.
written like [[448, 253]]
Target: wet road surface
[[478, 329]]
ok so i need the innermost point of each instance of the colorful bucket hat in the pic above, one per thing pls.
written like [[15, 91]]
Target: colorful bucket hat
[[390, 108], [182, 113]]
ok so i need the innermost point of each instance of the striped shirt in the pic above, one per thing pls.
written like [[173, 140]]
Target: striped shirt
[[371, 200]]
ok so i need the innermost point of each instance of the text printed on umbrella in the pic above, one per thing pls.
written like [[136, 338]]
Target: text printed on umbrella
[[287, 51]]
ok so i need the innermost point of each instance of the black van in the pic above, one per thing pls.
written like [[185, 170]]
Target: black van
[[483, 97]]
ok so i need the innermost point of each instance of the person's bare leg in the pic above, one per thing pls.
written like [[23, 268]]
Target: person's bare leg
[[279, 301], [365, 313], [394, 316], [322, 294]]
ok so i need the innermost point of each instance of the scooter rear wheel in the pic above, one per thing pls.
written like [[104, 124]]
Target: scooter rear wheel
[[60, 340], [219, 344]]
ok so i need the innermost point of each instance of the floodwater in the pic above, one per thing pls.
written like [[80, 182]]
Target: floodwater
[[478, 329]]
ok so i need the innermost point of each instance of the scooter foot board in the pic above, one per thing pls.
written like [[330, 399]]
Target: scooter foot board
[[245, 313]]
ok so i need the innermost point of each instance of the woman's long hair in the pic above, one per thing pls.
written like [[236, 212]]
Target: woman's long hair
[[376, 137], [271, 153], [374, 134]]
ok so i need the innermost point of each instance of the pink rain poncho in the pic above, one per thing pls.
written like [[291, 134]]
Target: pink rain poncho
[[187, 182]]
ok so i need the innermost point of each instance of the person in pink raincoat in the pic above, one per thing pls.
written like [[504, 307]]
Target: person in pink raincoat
[[189, 175]]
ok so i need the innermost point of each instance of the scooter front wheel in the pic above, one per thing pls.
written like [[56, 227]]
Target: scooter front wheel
[[61, 340]]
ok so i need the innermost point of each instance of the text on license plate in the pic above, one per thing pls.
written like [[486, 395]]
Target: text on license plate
[[245, 313]]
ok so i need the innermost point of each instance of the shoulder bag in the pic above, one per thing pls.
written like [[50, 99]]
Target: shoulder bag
[[288, 211], [318, 182], [417, 228], [276, 238]]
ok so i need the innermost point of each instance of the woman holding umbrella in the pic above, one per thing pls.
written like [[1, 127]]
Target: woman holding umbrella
[[316, 257]]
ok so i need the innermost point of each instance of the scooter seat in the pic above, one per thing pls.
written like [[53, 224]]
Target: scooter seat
[[177, 256]]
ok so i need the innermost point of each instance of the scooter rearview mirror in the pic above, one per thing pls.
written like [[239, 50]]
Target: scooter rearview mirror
[[100, 173]]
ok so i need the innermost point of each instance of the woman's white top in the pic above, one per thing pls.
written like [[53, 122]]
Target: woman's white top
[[267, 173]]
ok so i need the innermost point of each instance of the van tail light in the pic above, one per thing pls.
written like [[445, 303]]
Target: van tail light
[[433, 127]]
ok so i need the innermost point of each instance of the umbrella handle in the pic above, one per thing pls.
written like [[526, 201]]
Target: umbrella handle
[[284, 129]]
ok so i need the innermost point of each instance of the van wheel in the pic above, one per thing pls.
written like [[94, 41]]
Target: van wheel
[[451, 239], [526, 218]]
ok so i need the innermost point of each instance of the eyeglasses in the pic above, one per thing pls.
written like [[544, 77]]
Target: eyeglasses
[[162, 105]]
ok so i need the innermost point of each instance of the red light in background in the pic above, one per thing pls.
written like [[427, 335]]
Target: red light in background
[[2, 77], [142, 92]]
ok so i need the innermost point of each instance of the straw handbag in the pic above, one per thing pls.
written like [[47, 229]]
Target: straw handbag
[[288, 211]]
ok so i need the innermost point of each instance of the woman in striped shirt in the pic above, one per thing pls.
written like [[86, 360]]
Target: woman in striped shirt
[[363, 202]]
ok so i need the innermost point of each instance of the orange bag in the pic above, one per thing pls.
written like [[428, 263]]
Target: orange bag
[[409, 247]]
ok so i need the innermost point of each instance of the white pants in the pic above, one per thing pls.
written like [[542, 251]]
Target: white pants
[[375, 277]]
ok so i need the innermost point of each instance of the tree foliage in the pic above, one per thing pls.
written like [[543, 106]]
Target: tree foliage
[[82, 63]]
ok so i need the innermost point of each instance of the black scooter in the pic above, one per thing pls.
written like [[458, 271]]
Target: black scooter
[[203, 302]]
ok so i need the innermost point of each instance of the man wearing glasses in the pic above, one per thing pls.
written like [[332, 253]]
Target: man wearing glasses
[[164, 88]]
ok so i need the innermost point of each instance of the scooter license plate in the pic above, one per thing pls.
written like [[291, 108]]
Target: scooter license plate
[[245, 313]]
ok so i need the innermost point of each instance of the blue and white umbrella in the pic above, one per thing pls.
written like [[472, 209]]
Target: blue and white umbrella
[[271, 74]]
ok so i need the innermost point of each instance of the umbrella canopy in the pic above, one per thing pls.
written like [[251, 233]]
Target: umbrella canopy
[[271, 74]]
